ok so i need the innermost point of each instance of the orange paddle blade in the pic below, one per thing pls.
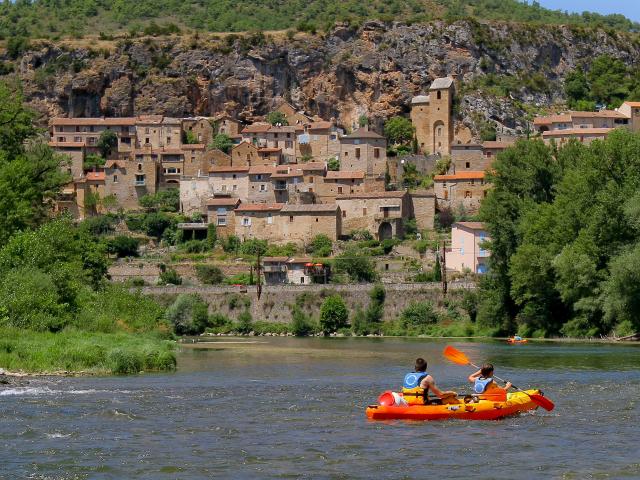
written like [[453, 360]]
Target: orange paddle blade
[[543, 402], [456, 356]]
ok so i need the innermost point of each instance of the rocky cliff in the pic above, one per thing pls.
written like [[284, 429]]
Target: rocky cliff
[[373, 71]]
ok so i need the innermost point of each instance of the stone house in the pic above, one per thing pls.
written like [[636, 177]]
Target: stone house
[[194, 193], [258, 220], [423, 208], [364, 150], [432, 115], [300, 271], [230, 181], [468, 157], [215, 158], [381, 213], [490, 150], [341, 182], [283, 138], [269, 156], [261, 188], [288, 183], [158, 132], [293, 116], [227, 125], [221, 212], [466, 189], [319, 140], [583, 135], [194, 163], [631, 110], [244, 154], [301, 223], [467, 252], [274, 270], [200, 128]]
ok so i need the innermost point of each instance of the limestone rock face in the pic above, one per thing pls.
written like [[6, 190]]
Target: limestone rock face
[[374, 71]]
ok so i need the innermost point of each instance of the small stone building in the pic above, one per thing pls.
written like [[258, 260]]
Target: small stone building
[[466, 189], [432, 116], [364, 150]]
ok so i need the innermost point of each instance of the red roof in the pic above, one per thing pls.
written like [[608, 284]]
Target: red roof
[[259, 207], [223, 202], [257, 128], [229, 170], [262, 170], [496, 145], [313, 166], [289, 174], [345, 175], [269, 150], [66, 144], [96, 176], [193, 146], [474, 175]]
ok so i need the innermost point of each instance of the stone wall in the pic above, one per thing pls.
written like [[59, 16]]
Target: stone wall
[[276, 301]]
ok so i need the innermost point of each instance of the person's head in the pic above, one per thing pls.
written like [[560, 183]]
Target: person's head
[[421, 365], [487, 370]]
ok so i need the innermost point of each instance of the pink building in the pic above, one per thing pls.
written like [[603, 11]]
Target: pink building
[[466, 252]]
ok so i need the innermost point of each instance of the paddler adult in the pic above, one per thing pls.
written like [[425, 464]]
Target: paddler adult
[[418, 384]]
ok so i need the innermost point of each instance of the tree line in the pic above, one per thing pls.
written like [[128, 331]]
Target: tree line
[[565, 239]]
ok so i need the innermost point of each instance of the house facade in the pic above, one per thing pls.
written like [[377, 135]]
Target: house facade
[[466, 189], [467, 252]]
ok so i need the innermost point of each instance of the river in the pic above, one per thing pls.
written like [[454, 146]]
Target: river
[[294, 408]]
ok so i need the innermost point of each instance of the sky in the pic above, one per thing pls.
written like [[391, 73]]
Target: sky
[[629, 8]]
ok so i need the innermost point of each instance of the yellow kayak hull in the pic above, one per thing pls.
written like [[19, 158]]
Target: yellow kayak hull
[[482, 410]]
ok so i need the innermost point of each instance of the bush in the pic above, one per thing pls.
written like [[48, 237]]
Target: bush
[[194, 246], [212, 235], [254, 247], [301, 324], [333, 314], [188, 314], [236, 301], [357, 265], [244, 322], [418, 314], [125, 361], [98, 225], [123, 246], [321, 245], [231, 243], [155, 224], [209, 274], [169, 277]]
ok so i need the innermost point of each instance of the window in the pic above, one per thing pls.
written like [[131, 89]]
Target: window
[[467, 194], [235, 187], [288, 144], [316, 219], [221, 211], [233, 176], [275, 135], [248, 157], [91, 128], [376, 153], [439, 95], [147, 131], [346, 154], [140, 179], [269, 218], [467, 165], [258, 177], [222, 221], [146, 141], [246, 221], [339, 189], [77, 139], [224, 188], [290, 218], [168, 140], [344, 214], [77, 129], [439, 131], [364, 211], [472, 182], [62, 139], [446, 194], [357, 153], [263, 187], [301, 279], [115, 179], [288, 135], [139, 167], [488, 154]]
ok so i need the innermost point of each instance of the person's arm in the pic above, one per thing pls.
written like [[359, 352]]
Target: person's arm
[[428, 381], [473, 376]]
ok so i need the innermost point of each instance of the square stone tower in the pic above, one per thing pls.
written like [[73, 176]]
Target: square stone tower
[[432, 116]]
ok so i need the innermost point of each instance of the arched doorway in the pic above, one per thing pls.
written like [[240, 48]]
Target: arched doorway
[[385, 231]]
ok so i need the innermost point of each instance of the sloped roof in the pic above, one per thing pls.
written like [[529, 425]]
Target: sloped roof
[[313, 166], [392, 194], [311, 208], [418, 99], [473, 175], [577, 132], [440, 83], [322, 125], [96, 176], [344, 174], [496, 145], [262, 170], [112, 121], [259, 207], [275, 259], [223, 202], [471, 225], [362, 132], [229, 170], [549, 119], [257, 128]]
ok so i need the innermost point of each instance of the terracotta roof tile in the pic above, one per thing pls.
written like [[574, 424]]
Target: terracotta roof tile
[[262, 170], [96, 176], [229, 170], [577, 132], [257, 128], [496, 145], [223, 202], [311, 208], [345, 174], [259, 207], [363, 133], [473, 175], [313, 166], [392, 194]]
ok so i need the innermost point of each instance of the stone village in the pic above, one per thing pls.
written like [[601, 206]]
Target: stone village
[[279, 182]]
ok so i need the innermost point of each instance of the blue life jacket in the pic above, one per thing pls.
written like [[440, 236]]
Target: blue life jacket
[[481, 384], [413, 379]]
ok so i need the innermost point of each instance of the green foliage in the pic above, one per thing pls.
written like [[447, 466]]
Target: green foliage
[[333, 164], [222, 142], [363, 121], [301, 324], [244, 323], [163, 201], [93, 161], [212, 235], [209, 274], [98, 225], [231, 243], [156, 224], [321, 245], [286, 250], [169, 277], [369, 321], [16, 46], [357, 265], [188, 314], [254, 247], [563, 227], [418, 314], [194, 246], [333, 314], [277, 118], [123, 246], [107, 143], [189, 137], [399, 130]]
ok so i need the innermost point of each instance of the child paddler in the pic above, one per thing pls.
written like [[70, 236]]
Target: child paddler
[[418, 384], [484, 384]]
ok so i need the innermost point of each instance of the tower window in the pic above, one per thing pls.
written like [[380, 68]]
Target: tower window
[[439, 95]]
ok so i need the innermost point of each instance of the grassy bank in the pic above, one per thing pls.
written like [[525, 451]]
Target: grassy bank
[[81, 351]]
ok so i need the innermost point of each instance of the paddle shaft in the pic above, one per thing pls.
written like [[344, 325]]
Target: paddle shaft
[[498, 378]]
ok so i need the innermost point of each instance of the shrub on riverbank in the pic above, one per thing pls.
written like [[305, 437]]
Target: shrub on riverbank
[[75, 350]]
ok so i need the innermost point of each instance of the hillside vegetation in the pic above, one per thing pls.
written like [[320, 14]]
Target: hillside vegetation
[[55, 18]]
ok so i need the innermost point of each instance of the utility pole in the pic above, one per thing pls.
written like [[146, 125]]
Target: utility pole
[[259, 279], [443, 267]]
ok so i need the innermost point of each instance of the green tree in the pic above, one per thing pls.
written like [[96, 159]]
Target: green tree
[[301, 324], [123, 246], [321, 245], [333, 164], [93, 161], [245, 322], [357, 264], [209, 274], [188, 314], [363, 121], [277, 118], [419, 314], [222, 142], [333, 314], [399, 130], [375, 310], [107, 143], [169, 276], [212, 235], [608, 80]]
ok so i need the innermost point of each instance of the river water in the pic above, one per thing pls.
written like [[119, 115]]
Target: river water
[[294, 408]]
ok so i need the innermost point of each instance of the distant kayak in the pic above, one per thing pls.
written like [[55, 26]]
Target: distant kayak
[[476, 410], [516, 340]]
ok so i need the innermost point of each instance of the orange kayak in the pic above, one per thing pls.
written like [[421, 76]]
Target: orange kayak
[[480, 410], [513, 340]]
